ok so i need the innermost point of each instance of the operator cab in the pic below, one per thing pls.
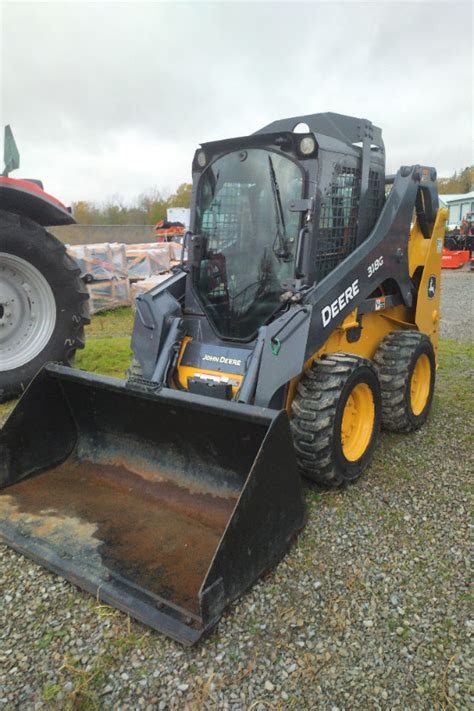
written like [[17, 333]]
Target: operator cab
[[248, 236]]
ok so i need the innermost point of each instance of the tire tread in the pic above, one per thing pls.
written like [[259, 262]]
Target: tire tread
[[314, 411], [392, 360]]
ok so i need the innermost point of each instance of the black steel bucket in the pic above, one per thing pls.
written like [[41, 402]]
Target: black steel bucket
[[166, 506]]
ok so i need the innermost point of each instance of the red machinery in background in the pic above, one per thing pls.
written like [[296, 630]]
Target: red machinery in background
[[458, 248], [169, 231]]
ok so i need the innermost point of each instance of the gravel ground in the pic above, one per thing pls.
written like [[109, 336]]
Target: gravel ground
[[369, 609], [457, 289]]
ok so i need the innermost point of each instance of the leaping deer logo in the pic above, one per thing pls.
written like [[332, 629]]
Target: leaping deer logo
[[431, 286]]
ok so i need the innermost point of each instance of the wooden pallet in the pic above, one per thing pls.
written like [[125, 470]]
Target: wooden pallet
[[100, 261], [109, 294]]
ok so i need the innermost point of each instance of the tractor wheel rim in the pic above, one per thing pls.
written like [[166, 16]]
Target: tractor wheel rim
[[420, 384], [357, 422], [27, 312]]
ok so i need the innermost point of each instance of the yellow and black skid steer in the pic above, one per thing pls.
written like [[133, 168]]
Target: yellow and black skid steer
[[303, 318]]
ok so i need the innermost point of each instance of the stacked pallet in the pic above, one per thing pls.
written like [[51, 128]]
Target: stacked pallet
[[109, 270], [104, 270], [100, 262], [144, 285], [108, 294], [176, 252], [147, 260]]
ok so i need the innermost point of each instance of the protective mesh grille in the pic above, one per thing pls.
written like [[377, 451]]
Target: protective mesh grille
[[338, 220], [374, 197]]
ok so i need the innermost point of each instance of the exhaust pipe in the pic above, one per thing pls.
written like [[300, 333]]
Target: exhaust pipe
[[165, 505]]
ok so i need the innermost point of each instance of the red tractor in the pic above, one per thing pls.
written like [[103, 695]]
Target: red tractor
[[43, 301]]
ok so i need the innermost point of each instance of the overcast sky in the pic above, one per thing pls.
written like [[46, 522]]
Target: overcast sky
[[113, 97]]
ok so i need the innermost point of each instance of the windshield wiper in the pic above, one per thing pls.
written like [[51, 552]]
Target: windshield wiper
[[282, 251]]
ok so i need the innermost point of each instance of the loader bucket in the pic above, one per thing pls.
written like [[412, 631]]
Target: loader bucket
[[166, 506]]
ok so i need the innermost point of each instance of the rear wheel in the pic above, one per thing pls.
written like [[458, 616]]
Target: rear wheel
[[335, 418], [406, 365], [43, 303]]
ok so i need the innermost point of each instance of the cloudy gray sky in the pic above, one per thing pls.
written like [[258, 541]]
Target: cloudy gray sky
[[113, 97]]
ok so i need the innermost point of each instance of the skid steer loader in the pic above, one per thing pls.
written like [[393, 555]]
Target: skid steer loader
[[304, 317]]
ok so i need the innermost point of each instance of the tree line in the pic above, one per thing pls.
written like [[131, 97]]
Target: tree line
[[462, 182], [148, 209], [151, 206]]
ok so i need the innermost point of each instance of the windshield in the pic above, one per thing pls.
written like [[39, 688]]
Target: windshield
[[250, 238]]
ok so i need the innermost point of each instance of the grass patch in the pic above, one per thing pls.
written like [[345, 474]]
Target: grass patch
[[111, 324], [106, 356], [124, 643], [108, 337], [50, 691], [455, 371], [85, 694], [47, 638]]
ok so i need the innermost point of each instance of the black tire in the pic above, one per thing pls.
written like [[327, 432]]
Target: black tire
[[22, 238], [317, 413], [395, 360]]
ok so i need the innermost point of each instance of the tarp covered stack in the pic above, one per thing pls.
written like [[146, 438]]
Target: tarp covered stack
[[104, 269]]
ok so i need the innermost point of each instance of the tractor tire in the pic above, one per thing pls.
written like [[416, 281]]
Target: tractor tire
[[43, 303], [406, 365], [335, 420]]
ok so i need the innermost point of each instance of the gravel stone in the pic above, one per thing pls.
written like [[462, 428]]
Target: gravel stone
[[457, 310]]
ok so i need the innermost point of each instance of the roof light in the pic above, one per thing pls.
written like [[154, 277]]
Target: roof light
[[307, 145], [201, 159]]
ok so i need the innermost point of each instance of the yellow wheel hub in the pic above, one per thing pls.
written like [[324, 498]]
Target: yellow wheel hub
[[357, 422], [420, 384]]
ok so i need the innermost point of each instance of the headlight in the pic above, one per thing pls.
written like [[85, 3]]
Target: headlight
[[307, 145], [201, 159]]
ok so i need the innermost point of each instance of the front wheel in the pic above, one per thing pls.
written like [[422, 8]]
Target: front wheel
[[335, 419]]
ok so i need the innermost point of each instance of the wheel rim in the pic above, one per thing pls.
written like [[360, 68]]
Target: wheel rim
[[27, 312], [357, 422], [420, 384]]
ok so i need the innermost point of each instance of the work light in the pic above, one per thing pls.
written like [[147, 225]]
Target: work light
[[201, 159], [307, 145]]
